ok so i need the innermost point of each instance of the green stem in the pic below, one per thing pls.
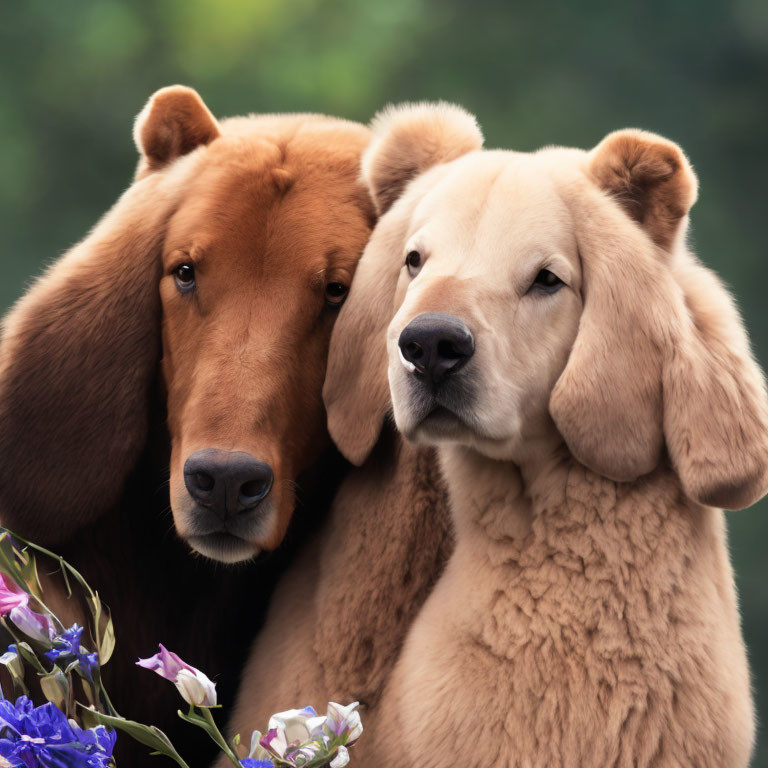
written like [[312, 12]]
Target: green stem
[[218, 737]]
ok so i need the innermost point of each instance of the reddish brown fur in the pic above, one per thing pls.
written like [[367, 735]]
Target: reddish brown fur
[[270, 209]]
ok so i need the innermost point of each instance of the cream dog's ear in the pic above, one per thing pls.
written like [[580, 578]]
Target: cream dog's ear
[[408, 140], [412, 138], [173, 122], [651, 179], [661, 353]]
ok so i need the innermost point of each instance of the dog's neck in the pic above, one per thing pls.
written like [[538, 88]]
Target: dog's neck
[[520, 504]]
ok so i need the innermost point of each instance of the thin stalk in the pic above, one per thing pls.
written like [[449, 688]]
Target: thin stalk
[[218, 737]]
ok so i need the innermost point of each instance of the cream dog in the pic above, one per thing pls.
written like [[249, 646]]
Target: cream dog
[[594, 401]]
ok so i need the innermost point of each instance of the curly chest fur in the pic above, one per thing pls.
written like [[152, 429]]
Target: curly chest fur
[[596, 623]]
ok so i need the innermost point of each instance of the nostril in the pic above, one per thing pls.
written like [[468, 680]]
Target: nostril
[[254, 488], [204, 481], [447, 351], [413, 351]]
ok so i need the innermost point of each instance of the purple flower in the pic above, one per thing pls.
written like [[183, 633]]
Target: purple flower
[[42, 737], [166, 663], [67, 651], [193, 685], [248, 762]]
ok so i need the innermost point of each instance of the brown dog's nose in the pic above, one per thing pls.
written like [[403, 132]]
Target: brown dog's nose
[[227, 482], [435, 345]]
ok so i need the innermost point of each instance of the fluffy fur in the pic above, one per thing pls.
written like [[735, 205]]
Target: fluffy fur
[[109, 375], [588, 615]]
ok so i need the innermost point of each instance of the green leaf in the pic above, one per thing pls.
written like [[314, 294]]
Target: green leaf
[[56, 687], [107, 642], [13, 663], [25, 649], [8, 559], [148, 735], [29, 574]]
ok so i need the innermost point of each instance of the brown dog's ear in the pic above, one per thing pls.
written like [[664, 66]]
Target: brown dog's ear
[[650, 178], [77, 359], [173, 123], [408, 140], [411, 138]]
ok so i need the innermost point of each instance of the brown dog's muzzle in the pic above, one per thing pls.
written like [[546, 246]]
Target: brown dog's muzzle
[[228, 487]]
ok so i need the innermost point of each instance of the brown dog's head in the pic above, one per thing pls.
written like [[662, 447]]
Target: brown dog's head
[[227, 260], [521, 301]]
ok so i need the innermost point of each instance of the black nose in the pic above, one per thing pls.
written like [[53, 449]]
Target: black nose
[[228, 482], [437, 345]]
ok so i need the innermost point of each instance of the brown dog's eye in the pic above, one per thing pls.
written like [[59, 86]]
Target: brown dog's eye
[[185, 277], [413, 261], [547, 282], [335, 293]]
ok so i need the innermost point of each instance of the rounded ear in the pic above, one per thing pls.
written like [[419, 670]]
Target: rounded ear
[[408, 140], [649, 177], [77, 359], [173, 123]]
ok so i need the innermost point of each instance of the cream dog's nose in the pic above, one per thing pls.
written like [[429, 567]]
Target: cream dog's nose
[[435, 345]]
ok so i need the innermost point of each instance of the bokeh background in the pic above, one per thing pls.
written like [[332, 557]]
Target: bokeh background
[[73, 76]]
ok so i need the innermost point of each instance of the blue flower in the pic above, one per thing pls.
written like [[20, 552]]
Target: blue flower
[[67, 651], [42, 737], [249, 762]]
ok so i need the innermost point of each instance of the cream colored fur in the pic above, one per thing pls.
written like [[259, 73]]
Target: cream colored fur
[[588, 615]]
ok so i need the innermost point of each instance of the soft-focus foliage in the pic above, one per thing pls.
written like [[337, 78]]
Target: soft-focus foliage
[[72, 79]]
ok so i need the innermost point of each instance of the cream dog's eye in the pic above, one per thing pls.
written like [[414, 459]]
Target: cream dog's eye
[[547, 282], [413, 261]]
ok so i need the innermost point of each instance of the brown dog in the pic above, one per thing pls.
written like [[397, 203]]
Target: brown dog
[[205, 296], [593, 397]]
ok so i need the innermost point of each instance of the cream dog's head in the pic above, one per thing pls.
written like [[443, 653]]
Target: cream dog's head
[[522, 301]]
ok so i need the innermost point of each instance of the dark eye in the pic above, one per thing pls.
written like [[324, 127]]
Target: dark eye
[[335, 293], [413, 261], [547, 282], [185, 277]]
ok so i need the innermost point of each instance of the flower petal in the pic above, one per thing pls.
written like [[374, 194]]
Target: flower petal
[[196, 688], [341, 759]]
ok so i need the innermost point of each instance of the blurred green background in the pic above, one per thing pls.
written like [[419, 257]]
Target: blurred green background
[[73, 76]]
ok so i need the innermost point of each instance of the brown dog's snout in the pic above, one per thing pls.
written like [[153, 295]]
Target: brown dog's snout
[[435, 345], [228, 483]]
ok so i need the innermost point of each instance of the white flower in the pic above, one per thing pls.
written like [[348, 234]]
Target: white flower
[[196, 688], [257, 752], [299, 737], [341, 759], [344, 719]]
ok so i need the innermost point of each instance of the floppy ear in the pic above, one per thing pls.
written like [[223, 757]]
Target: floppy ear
[[408, 140], [661, 355], [715, 403], [77, 359], [173, 123]]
